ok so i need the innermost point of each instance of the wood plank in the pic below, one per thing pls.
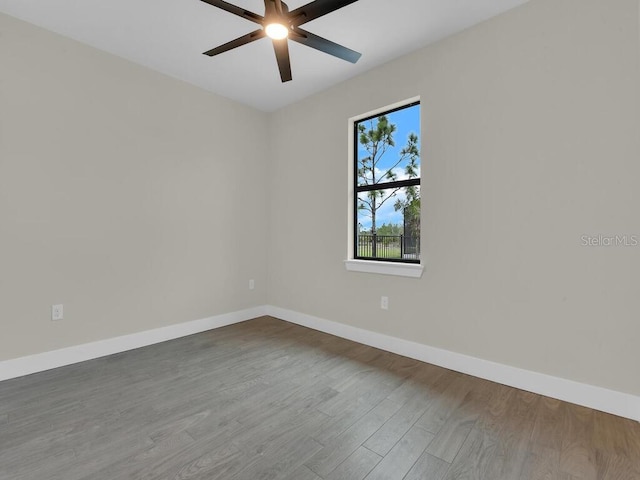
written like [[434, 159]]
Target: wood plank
[[548, 430], [303, 473], [356, 466], [428, 466], [267, 399], [279, 459], [220, 463], [612, 466], [415, 396], [338, 450], [447, 398], [457, 426], [578, 454], [402, 456], [477, 454], [514, 437], [543, 464]]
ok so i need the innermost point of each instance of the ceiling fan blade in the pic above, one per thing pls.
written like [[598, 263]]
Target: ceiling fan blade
[[316, 9], [327, 46], [238, 42], [281, 48], [241, 12], [278, 3], [275, 11]]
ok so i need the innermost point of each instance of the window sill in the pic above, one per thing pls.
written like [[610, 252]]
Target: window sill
[[412, 270]]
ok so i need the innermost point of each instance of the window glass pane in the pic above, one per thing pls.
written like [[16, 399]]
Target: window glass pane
[[388, 146], [389, 224]]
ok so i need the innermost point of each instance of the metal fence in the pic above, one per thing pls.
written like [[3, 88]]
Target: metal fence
[[400, 247]]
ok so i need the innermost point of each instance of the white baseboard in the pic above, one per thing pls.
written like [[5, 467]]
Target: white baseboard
[[19, 367], [598, 398], [617, 403]]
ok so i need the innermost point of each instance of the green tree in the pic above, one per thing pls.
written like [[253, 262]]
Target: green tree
[[410, 207], [376, 137], [391, 229]]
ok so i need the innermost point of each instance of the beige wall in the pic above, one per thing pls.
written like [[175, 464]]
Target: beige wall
[[132, 198], [531, 139], [136, 200]]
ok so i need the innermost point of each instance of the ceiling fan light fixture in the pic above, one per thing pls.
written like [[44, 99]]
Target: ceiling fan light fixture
[[277, 31], [278, 23]]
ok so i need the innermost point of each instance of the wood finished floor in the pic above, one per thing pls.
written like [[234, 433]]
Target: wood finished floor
[[269, 400]]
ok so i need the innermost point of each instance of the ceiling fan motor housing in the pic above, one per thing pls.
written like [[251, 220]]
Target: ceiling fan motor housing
[[276, 16]]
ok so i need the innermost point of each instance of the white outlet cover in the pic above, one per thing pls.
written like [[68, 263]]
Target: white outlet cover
[[57, 312], [384, 303]]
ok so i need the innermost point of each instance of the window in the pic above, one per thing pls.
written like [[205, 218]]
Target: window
[[386, 186]]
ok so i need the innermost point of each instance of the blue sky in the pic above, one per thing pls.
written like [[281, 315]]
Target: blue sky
[[407, 121]]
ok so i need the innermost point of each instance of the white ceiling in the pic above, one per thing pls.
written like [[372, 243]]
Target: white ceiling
[[169, 36]]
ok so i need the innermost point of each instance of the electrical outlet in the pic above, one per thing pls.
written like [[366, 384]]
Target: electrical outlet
[[57, 312], [252, 284], [384, 303]]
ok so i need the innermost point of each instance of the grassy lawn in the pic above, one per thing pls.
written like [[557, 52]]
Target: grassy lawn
[[383, 252]]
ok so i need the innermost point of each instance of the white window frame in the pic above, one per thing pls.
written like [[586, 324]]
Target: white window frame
[[413, 270]]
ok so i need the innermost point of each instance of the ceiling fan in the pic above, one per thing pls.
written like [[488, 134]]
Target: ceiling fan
[[279, 23]]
